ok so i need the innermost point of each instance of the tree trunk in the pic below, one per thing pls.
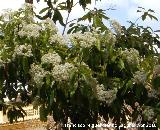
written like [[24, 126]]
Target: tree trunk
[[29, 1]]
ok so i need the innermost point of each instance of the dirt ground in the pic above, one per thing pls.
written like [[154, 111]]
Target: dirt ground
[[26, 125]]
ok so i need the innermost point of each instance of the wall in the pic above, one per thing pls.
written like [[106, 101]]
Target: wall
[[31, 114]]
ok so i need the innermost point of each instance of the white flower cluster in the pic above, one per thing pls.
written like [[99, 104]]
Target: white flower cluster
[[23, 50], [116, 26], [84, 64], [49, 24], [131, 56], [61, 72], [51, 58], [27, 6], [107, 96], [7, 14], [139, 77], [38, 74], [148, 113], [95, 31], [30, 30], [128, 107], [156, 71], [152, 93], [84, 40], [110, 38], [57, 39]]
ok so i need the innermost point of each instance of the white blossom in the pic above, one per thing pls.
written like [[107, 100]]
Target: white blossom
[[30, 30], [28, 6], [116, 26], [84, 40], [148, 113], [61, 72], [107, 96], [49, 24], [4, 61], [7, 14], [110, 38], [96, 31], [57, 39], [38, 73], [139, 77], [23, 50], [51, 58], [152, 93], [28, 12], [84, 64], [128, 107], [156, 71], [131, 56]]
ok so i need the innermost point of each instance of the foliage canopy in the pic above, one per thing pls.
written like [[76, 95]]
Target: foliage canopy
[[92, 71]]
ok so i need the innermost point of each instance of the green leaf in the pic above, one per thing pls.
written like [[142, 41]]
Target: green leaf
[[12, 72], [158, 121], [155, 18], [73, 81], [24, 112], [150, 10], [43, 10], [51, 98], [121, 64], [157, 31], [151, 16], [85, 17], [104, 16], [58, 17], [156, 82], [113, 58], [144, 15], [1, 74], [25, 65], [49, 3], [42, 17], [141, 8], [69, 5], [128, 85], [139, 11], [43, 113], [71, 24], [62, 6], [83, 3], [72, 29], [48, 80]]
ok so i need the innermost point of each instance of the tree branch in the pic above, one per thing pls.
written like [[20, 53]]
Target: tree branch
[[66, 23]]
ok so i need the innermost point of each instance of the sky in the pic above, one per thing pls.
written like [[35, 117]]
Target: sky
[[125, 10]]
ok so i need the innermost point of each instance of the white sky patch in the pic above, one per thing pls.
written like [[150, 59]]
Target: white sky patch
[[12, 4], [154, 4], [117, 3], [133, 15]]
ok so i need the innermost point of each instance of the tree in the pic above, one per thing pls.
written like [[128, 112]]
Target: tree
[[98, 71]]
